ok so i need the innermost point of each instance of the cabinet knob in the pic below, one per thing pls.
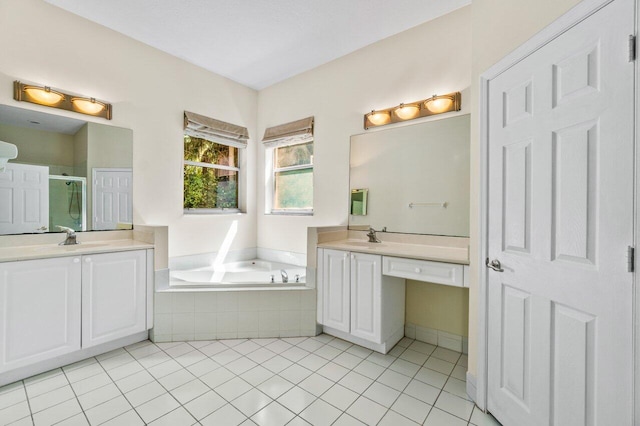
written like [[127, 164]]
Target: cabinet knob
[[417, 270], [76, 260]]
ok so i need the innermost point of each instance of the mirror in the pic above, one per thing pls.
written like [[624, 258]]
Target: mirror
[[417, 177], [68, 172]]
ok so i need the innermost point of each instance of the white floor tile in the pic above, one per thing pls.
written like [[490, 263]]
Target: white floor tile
[[356, 382], [347, 420], [340, 397], [455, 405], [145, 393], [320, 413], [316, 384], [189, 391], [275, 386], [394, 419], [422, 391], [311, 381], [177, 417], [233, 388], [14, 412], [439, 365], [205, 404], [381, 394], [129, 418], [227, 415], [394, 379], [273, 414], [412, 408], [98, 396], [333, 371], [366, 411], [478, 418], [440, 418], [57, 413], [251, 402], [108, 410], [296, 399], [431, 377], [157, 407]]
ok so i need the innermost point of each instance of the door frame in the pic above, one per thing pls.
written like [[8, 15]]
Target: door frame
[[477, 385]]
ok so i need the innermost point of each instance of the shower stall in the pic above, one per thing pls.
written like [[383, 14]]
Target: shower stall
[[67, 202]]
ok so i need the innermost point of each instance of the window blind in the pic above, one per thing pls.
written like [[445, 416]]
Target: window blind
[[213, 130], [298, 131]]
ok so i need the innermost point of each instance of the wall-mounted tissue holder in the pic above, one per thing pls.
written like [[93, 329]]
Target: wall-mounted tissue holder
[[8, 151]]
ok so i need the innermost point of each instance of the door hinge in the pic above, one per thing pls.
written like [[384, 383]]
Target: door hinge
[[631, 259], [632, 48]]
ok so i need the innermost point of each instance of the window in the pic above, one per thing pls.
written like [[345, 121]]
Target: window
[[211, 164], [293, 177], [210, 175], [289, 158]]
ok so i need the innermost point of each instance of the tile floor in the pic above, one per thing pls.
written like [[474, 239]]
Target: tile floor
[[294, 381]]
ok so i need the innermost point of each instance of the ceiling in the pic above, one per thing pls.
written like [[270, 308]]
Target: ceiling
[[259, 42], [31, 119]]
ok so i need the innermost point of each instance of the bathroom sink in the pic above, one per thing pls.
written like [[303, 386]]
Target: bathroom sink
[[366, 244]]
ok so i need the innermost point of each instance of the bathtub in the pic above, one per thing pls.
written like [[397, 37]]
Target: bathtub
[[254, 273]]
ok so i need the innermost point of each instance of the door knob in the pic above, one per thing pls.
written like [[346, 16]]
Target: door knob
[[494, 264]]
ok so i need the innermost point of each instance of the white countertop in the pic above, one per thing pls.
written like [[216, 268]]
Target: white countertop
[[438, 253], [42, 251]]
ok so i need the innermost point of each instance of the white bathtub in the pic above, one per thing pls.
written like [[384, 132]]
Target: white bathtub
[[249, 273]]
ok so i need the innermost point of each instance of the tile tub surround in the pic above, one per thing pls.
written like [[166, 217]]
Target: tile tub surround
[[294, 381], [208, 315]]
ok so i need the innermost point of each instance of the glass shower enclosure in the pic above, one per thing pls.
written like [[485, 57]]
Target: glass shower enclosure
[[67, 202]]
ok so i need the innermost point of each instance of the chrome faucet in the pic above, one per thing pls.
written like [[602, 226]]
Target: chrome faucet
[[285, 277], [71, 236], [373, 238]]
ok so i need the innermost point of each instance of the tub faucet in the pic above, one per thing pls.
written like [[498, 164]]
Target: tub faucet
[[285, 277], [71, 236]]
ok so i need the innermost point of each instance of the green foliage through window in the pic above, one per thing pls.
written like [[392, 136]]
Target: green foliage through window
[[210, 175]]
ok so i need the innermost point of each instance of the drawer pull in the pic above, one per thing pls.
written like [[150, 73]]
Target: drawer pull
[[417, 270], [76, 260]]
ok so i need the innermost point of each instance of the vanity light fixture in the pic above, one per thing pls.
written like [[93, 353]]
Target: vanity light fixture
[[46, 96], [437, 104], [378, 118]]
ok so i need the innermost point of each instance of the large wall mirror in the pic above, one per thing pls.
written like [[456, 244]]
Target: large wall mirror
[[68, 173], [416, 178]]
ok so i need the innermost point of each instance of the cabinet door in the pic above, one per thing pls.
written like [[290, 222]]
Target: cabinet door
[[39, 310], [335, 289], [366, 286], [113, 296]]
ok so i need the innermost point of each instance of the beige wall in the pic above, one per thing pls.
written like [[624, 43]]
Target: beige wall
[[38, 146], [407, 67], [498, 28], [438, 306], [149, 91]]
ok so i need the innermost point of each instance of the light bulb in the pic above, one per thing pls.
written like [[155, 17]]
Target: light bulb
[[378, 118], [44, 95], [438, 104], [88, 106], [407, 112]]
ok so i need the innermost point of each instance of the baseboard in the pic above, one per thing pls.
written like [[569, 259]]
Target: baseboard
[[472, 390], [383, 347], [435, 337]]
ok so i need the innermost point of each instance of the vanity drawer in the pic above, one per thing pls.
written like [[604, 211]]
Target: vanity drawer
[[424, 270]]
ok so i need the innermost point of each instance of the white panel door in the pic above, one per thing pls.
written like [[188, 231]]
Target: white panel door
[[366, 296], [560, 219], [24, 199], [335, 289], [112, 193], [113, 296], [39, 310]]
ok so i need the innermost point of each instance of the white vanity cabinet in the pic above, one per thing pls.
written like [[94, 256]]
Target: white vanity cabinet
[[39, 310], [60, 310], [114, 295], [357, 302]]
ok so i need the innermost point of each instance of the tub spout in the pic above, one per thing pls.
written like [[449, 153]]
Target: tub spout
[[285, 277]]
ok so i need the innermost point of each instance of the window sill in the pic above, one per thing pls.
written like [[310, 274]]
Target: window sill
[[213, 212], [290, 213]]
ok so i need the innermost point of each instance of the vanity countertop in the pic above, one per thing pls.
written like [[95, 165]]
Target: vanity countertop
[[437, 253], [42, 251]]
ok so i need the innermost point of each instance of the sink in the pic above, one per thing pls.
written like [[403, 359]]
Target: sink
[[366, 244]]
